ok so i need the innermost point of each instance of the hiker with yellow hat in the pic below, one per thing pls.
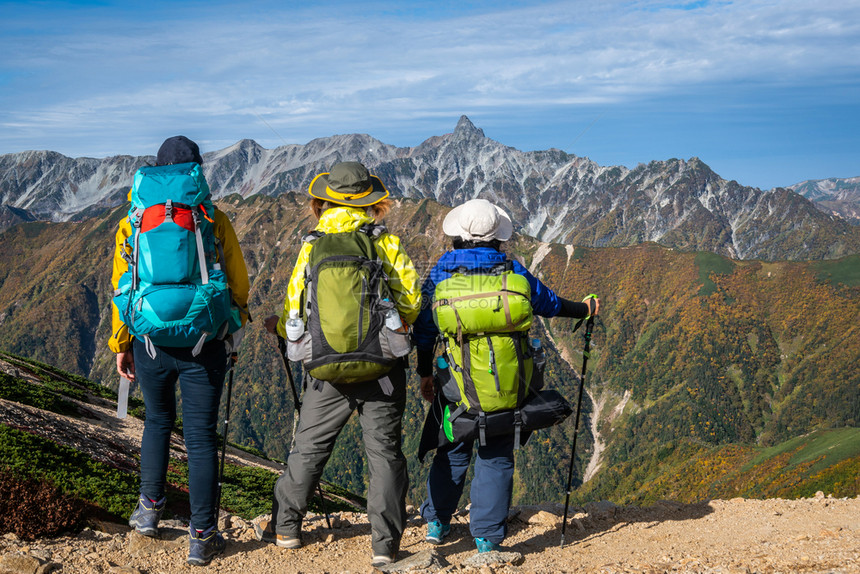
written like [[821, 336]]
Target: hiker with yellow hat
[[352, 296]]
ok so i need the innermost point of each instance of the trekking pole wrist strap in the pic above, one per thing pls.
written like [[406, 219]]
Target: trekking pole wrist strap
[[588, 301]]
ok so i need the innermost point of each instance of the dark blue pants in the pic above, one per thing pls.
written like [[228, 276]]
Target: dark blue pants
[[491, 490], [200, 379]]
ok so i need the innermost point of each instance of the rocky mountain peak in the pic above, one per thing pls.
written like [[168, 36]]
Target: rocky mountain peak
[[243, 150], [466, 129]]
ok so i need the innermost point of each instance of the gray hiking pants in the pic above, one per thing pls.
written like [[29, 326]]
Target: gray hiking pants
[[325, 411]]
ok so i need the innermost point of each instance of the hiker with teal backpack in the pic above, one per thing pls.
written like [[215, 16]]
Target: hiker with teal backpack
[[180, 302], [350, 300], [480, 304]]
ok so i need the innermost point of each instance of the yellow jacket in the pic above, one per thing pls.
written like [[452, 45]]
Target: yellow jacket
[[403, 280], [234, 267]]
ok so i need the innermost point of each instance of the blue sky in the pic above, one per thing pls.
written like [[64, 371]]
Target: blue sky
[[766, 92]]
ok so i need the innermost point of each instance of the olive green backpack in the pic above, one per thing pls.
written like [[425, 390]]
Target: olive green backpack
[[346, 298]]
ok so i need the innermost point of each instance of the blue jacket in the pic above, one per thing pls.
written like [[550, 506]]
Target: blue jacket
[[544, 300]]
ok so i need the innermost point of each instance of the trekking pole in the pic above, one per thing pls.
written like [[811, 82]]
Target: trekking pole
[[282, 347], [589, 325], [233, 359]]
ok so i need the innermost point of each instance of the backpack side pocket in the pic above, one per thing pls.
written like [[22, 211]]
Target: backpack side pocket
[[395, 343], [300, 349]]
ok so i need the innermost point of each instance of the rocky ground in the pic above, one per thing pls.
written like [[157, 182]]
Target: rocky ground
[[819, 534]]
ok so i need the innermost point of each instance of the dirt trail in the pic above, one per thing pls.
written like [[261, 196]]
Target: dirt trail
[[811, 535]]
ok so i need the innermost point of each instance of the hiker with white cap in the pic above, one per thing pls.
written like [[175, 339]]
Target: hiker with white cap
[[487, 368]]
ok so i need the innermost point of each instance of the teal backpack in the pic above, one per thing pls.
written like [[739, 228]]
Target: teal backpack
[[175, 293]]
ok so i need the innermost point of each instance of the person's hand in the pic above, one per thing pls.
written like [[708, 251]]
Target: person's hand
[[125, 365], [428, 389], [271, 324], [593, 304]]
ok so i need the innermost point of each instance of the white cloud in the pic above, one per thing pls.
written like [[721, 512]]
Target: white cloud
[[331, 71]]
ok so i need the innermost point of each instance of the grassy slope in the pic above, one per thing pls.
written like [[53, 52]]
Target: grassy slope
[[104, 489], [825, 460]]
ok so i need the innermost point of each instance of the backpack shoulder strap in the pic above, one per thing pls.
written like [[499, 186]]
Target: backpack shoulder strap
[[496, 269], [503, 267], [373, 230], [313, 236]]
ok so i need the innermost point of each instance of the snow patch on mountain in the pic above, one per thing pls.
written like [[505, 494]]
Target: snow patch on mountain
[[539, 256], [549, 194]]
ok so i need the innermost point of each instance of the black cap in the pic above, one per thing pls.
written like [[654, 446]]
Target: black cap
[[178, 149]]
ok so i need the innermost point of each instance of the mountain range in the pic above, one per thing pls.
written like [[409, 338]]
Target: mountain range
[[841, 197], [551, 195], [728, 312], [695, 351]]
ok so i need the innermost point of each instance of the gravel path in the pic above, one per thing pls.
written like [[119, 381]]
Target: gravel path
[[727, 536]]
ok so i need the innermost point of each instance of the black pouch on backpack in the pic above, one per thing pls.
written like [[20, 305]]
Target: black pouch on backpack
[[544, 409], [541, 409], [466, 426]]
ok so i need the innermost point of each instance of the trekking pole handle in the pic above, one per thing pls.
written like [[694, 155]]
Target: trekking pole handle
[[591, 300]]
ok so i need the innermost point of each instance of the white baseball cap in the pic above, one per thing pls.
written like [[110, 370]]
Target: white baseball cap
[[478, 220]]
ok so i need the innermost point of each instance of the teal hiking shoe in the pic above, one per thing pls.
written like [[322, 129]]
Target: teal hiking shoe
[[204, 545], [436, 531], [485, 545], [145, 517]]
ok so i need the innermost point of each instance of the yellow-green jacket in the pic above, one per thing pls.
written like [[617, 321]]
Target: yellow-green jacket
[[234, 267], [403, 280]]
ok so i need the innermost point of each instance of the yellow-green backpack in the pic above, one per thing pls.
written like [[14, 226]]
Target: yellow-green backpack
[[484, 318]]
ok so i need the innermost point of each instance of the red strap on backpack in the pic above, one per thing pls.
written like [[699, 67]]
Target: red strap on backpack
[[153, 216]]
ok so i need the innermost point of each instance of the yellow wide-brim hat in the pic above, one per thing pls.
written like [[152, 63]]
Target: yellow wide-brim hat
[[348, 183]]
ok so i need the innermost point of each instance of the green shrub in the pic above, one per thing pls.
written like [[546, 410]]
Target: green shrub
[[28, 456], [35, 395]]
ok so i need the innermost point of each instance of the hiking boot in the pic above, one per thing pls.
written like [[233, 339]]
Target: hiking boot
[[204, 545], [436, 531], [265, 531], [380, 560], [485, 545], [284, 541], [145, 517]]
